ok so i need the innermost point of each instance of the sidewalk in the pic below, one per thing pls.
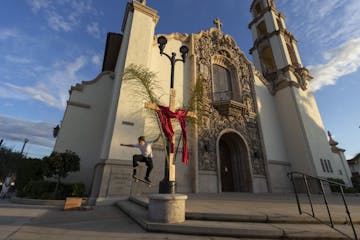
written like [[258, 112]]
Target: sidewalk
[[21, 222]]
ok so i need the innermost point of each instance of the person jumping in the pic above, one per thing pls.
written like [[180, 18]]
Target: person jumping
[[145, 156]]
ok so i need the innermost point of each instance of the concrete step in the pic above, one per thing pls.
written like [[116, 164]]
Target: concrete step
[[250, 216], [250, 230]]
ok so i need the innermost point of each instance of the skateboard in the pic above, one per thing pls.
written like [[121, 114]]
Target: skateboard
[[141, 180]]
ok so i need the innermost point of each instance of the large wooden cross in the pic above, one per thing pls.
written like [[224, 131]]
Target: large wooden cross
[[172, 108]]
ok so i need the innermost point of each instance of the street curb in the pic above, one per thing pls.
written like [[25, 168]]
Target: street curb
[[29, 201]]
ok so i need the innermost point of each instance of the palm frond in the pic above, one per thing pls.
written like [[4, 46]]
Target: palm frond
[[196, 102], [143, 81]]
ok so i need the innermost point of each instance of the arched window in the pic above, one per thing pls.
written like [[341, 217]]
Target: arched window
[[267, 60], [221, 83], [261, 29], [258, 8]]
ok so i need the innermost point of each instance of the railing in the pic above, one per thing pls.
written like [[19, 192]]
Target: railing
[[305, 178]]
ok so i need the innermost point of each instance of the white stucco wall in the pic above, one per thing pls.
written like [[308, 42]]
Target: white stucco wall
[[135, 49], [316, 135], [293, 129], [82, 128], [272, 132], [270, 124]]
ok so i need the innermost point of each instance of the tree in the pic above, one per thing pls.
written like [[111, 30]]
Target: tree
[[9, 161], [59, 165]]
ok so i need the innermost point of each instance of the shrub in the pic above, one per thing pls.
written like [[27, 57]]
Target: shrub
[[45, 190], [356, 182], [78, 190], [35, 189], [335, 188]]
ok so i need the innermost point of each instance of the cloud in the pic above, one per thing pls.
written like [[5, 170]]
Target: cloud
[[323, 23], [39, 133], [328, 33], [36, 5], [58, 23], [51, 88], [94, 30], [96, 60], [342, 61], [17, 59], [39, 92], [8, 33], [63, 15]]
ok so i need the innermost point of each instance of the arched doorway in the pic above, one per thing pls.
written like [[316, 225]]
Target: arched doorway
[[235, 173]]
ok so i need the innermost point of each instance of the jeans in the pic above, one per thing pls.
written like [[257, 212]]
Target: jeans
[[147, 160]]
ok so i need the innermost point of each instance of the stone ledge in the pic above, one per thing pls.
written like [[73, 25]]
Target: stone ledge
[[167, 197]]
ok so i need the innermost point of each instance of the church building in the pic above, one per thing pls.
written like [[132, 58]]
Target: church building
[[260, 119]]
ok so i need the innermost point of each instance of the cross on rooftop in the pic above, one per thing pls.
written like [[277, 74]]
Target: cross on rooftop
[[218, 24]]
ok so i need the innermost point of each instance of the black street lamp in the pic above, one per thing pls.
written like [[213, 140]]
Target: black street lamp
[[166, 186], [162, 41], [23, 147]]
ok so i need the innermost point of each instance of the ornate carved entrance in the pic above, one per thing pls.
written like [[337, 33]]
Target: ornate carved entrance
[[229, 103]]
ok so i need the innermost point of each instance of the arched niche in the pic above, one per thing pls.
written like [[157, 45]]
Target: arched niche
[[267, 60]]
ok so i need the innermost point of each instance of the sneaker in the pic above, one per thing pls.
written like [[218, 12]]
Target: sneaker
[[147, 179]]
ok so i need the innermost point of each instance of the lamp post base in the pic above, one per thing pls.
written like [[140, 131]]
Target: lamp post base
[[167, 208], [167, 187]]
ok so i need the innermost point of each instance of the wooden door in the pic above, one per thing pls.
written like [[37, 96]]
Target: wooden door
[[227, 179]]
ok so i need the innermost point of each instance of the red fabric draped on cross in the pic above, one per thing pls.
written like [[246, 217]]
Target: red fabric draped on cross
[[165, 115]]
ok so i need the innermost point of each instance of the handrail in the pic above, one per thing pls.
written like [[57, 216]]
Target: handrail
[[308, 193], [319, 178]]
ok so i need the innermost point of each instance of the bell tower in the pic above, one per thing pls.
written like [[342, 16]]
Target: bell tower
[[276, 56], [275, 50]]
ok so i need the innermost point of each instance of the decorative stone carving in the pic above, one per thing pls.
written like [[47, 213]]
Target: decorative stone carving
[[303, 77], [211, 47]]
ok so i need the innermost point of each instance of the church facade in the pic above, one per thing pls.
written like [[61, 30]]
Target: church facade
[[260, 119]]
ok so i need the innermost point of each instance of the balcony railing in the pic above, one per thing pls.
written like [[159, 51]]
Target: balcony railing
[[222, 96]]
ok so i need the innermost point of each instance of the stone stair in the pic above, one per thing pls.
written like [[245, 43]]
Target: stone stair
[[249, 226]]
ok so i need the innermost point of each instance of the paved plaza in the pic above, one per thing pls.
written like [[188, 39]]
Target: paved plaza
[[28, 222]]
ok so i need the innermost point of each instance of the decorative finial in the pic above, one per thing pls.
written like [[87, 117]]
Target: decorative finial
[[218, 24], [332, 142], [143, 2], [329, 134]]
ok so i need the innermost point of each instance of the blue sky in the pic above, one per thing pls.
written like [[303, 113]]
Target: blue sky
[[48, 45]]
